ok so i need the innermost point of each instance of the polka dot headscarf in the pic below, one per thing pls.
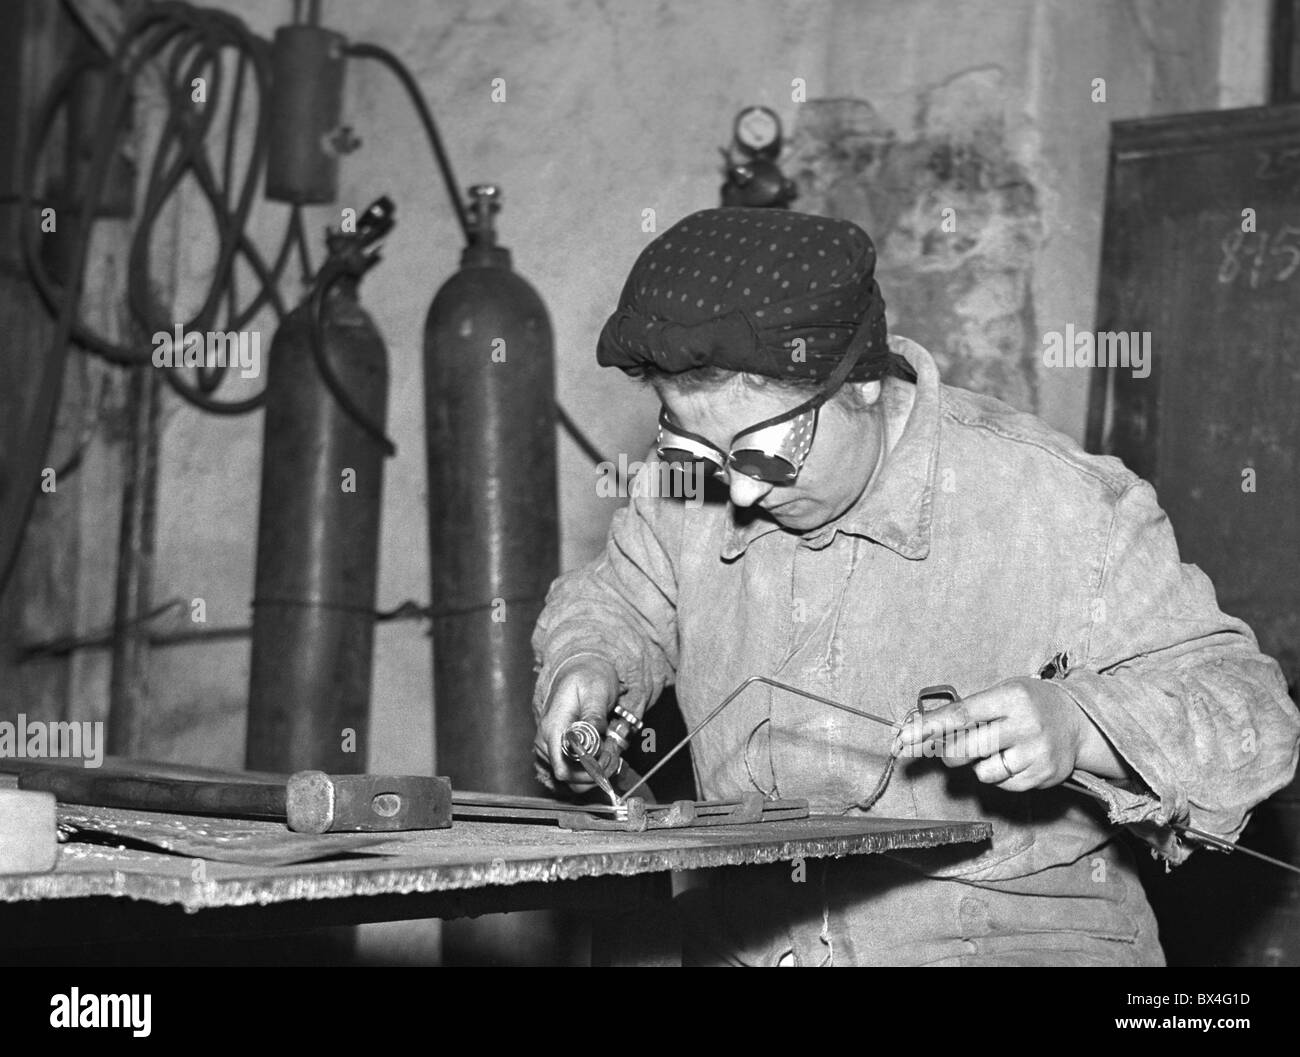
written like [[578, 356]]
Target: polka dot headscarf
[[740, 288]]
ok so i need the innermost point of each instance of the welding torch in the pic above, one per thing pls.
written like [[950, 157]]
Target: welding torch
[[601, 756]]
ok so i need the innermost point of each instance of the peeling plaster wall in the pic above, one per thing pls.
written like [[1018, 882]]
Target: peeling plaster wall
[[955, 219], [987, 109]]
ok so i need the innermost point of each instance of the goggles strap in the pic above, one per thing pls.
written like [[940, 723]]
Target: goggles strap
[[833, 383]]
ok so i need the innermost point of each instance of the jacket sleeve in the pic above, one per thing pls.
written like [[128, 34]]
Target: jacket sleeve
[[1179, 688], [622, 607]]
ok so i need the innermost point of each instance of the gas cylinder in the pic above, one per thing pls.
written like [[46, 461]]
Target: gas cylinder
[[318, 524], [493, 516]]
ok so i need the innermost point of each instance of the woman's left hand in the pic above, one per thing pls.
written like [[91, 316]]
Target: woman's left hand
[[1021, 734]]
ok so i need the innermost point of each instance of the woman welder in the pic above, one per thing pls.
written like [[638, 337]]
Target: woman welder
[[885, 532]]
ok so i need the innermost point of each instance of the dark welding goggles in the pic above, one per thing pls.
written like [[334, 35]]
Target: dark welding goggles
[[774, 450]]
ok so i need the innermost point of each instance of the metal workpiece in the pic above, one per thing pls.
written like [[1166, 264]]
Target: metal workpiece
[[635, 815]]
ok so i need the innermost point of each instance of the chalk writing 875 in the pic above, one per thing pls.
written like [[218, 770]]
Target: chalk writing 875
[[1261, 255], [1278, 164]]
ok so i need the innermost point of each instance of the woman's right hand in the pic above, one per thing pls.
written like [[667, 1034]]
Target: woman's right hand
[[585, 688]]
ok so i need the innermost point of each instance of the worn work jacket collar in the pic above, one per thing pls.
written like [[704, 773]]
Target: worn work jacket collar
[[895, 508]]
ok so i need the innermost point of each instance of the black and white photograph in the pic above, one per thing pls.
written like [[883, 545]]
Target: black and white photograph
[[648, 483]]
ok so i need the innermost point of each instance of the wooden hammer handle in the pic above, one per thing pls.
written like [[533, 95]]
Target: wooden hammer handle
[[152, 793]]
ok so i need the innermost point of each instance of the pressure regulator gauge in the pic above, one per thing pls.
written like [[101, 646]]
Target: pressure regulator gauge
[[753, 176], [758, 132]]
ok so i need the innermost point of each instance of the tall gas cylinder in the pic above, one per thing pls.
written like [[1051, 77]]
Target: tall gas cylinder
[[493, 514], [318, 525]]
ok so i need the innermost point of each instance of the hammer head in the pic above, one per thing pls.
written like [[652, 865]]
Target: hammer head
[[366, 803]]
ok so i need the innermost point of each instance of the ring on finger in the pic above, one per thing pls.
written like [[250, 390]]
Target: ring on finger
[[1002, 758]]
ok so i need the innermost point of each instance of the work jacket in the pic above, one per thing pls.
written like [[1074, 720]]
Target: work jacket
[[985, 546]]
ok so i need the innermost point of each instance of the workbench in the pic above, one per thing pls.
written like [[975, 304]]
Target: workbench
[[100, 892]]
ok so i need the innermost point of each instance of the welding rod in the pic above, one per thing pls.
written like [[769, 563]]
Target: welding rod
[[731, 697], [1053, 670], [1195, 834]]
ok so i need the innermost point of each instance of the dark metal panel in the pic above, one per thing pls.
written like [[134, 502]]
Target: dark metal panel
[[1222, 305]]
